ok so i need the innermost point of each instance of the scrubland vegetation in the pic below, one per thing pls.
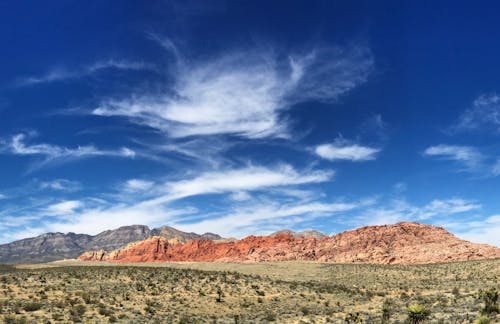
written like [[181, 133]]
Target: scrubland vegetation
[[290, 292]]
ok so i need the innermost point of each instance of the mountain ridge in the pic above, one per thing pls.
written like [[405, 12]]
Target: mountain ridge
[[400, 243], [54, 246]]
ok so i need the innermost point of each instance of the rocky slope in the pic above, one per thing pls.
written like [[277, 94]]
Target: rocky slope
[[305, 234], [57, 246], [402, 243], [46, 247]]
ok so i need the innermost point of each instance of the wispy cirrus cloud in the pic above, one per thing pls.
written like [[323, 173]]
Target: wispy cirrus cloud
[[17, 145], [136, 185], [153, 202], [64, 208], [480, 230], [469, 156], [249, 178], [342, 149], [484, 114], [63, 73], [398, 210], [242, 93], [263, 218], [61, 185]]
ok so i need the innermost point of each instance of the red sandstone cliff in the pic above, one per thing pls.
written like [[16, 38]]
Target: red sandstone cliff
[[402, 243]]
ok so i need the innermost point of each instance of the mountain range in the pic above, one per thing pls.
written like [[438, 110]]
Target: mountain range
[[404, 243], [401, 243], [57, 246]]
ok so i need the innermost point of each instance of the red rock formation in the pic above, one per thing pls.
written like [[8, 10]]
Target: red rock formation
[[402, 243]]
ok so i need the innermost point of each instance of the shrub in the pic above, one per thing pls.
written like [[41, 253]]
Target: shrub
[[387, 310], [78, 310], [32, 306], [418, 313], [103, 310], [490, 299], [483, 320], [220, 294], [353, 318], [270, 316]]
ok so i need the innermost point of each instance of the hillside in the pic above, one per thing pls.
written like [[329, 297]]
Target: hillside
[[401, 243]]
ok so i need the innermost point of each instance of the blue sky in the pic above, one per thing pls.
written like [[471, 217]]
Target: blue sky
[[245, 117]]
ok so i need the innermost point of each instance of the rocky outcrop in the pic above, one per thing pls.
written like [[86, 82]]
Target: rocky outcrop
[[402, 243], [58, 246], [114, 239], [305, 234]]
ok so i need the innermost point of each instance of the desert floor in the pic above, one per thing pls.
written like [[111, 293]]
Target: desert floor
[[285, 292]]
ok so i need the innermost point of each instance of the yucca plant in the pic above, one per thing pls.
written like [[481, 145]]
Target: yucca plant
[[490, 299], [418, 313]]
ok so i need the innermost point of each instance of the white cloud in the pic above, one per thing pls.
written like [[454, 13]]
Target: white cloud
[[484, 231], [244, 179], [342, 149], [89, 215], [62, 73], [243, 93], [95, 220], [484, 114], [400, 210], [259, 217], [61, 185], [17, 146], [467, 155], [446, 207], [138, 185], [240, 196], [63, 208]]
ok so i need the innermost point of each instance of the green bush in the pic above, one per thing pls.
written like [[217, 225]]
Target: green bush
[[387, 310], [78, 310], [483, 320], [32, 306], [490, 299], [418, 313]]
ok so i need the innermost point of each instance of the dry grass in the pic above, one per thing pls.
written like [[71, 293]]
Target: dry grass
[[239, 293]]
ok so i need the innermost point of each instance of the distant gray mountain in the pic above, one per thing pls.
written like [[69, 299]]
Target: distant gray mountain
[[58, 246], [306, 234]]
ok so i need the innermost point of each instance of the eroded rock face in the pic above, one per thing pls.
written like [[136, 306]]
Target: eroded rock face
[[402, 243]]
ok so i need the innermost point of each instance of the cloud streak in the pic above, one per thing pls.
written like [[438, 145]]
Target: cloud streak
[[243, 93], [484, 114], [62, 73], [345, 150], [153, 203], [236, 180], [61, 185], [17, 145], [260, 217], [400, 210], [469, 156]]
